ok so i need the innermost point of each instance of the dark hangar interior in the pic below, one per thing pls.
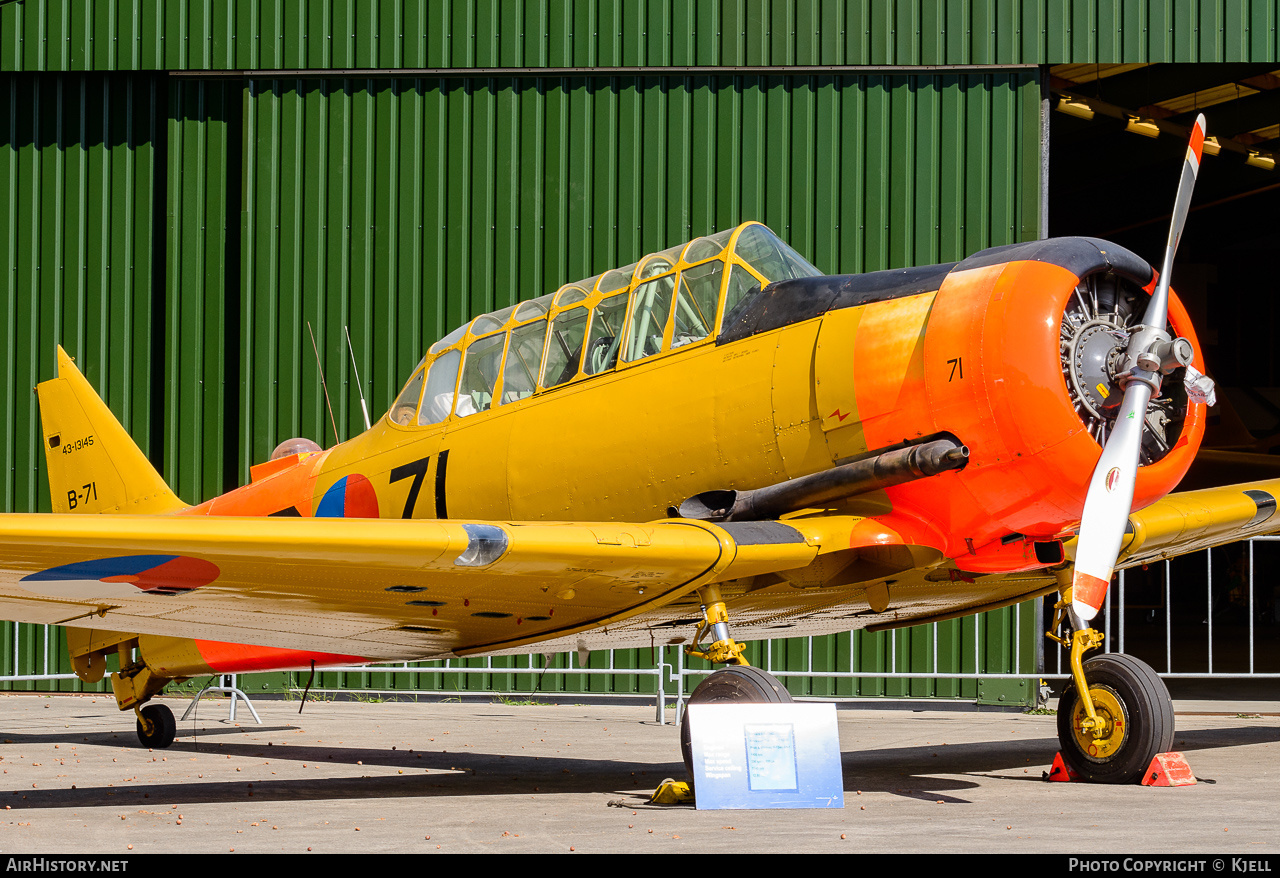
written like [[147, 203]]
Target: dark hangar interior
[[1117, 137]]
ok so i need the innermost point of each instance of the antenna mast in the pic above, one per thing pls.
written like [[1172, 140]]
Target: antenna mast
[[336, 437], [363, 407]]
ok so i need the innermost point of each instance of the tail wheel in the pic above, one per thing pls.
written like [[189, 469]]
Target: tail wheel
[[739, 684], [1137, 714], [156, 726]]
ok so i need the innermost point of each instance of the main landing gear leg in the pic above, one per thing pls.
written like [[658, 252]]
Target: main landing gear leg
[[1115, 715], [715, 620], [739, 683]]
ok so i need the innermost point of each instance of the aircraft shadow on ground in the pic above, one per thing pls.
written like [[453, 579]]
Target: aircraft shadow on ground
[[922, 772], [435, 774], [128, 739], [919, 772]]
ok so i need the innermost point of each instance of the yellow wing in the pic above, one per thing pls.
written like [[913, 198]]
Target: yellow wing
[[1192, 520], [404, 590], [381, 590]]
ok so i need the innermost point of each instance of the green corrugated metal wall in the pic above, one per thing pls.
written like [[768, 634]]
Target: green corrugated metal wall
[[79, 230], [200, 286], [337, 34]]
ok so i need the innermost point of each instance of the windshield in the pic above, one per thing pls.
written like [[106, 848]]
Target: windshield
[[667, 301]]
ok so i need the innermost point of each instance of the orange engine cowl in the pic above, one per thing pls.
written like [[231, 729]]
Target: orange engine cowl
[[997, 374]]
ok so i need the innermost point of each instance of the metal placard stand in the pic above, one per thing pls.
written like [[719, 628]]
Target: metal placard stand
[[758, 756]]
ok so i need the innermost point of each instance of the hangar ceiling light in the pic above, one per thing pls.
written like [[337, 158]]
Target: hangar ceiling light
[[1145, 127], [1072, 107], [1259, 160], [1151, 99]]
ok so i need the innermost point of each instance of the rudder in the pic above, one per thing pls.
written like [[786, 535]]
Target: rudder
[[94, 465]]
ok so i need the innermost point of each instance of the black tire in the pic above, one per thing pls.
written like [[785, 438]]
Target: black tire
[[164, 728], [737, 684], [1123, 684]]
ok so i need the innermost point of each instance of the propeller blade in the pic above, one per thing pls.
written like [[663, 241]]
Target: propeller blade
[[1108, 503], [1158, 307], [1110, 498]]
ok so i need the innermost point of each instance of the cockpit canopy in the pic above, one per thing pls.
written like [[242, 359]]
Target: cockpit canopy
[[664, 302]]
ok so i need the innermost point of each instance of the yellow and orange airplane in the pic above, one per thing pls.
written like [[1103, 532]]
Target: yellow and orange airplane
[[716, 434]]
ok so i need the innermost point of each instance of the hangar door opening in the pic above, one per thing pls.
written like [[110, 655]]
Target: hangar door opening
[[1118, 135]]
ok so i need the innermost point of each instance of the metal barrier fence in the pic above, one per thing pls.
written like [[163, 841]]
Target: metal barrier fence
[[809, 665], [1217, 590], [674, 681]]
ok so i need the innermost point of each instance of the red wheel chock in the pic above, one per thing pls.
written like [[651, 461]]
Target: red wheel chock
[[1060, 772], [1168, 770]]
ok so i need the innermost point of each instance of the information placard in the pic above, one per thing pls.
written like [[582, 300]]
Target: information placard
[[749, 756]]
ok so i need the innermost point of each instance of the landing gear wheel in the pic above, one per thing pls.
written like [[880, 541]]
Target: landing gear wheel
[[1134, 705], [739, 684], [156, 726]]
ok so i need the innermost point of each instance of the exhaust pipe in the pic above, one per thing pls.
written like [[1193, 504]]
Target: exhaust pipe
[[870, 474]]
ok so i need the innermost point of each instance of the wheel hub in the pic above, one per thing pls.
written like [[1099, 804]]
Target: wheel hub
[[1105, 740]]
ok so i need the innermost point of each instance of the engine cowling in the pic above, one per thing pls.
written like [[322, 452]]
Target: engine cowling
[[1009, 358]]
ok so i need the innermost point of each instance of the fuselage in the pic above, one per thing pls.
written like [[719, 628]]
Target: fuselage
[[799, 375]]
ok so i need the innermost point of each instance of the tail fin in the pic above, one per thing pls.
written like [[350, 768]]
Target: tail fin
[[94, 466]]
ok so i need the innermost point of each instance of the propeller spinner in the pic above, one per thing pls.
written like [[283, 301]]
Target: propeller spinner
[[1149, 355]]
